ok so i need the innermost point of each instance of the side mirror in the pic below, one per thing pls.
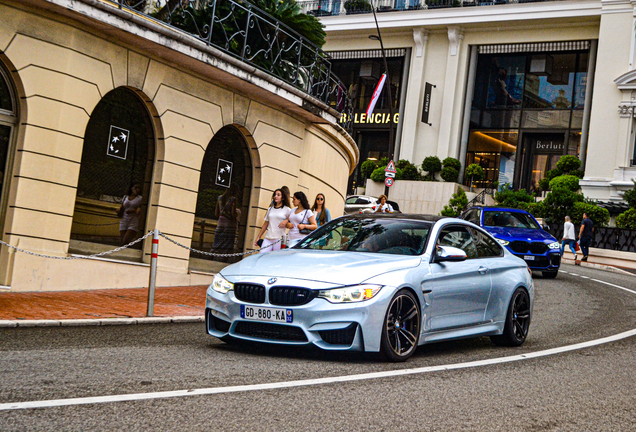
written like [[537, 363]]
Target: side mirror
[[546, 227], [448, 253]]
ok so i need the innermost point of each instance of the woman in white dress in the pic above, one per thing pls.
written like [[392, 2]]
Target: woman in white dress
[[300, 218], [275, 222]]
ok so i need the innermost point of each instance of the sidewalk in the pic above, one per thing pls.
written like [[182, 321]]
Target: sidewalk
[[101, 307]]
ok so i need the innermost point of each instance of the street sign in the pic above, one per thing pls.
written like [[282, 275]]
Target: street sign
[[389, 174], [388, 182], [390, 168]]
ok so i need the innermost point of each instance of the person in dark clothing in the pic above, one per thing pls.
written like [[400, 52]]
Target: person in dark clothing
[[585, 235]]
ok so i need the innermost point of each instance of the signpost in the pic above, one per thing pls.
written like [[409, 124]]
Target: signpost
[[389, 173]]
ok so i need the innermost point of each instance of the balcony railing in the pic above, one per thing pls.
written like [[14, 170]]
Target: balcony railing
[[249, 34], [348, 7]]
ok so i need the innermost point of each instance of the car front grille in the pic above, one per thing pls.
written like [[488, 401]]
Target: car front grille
[[250, 293], [291, 296], [270, 331], [520, 246], [538, 248], [341, 336]]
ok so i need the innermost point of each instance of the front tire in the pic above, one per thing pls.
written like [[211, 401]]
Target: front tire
[[401, 329], [517, 321]]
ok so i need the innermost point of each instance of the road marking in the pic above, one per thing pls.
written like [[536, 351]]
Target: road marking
[[319, 381]]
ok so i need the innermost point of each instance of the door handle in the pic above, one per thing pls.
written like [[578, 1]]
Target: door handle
[[483, 270]]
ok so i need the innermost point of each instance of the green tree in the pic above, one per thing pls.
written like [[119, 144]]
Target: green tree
[[568, 182], [432, 165], [599, 215], [630, 196], [568, 163], [451, 162], [456, 204], [475, 172], [514, 199], [627, 219], [367, 168], [449, 174]]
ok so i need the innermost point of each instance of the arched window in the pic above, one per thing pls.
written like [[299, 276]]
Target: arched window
[[8, 119], [223, 198], [118, 153]]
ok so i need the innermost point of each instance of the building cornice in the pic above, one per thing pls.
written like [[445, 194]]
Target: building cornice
[[557, 10]]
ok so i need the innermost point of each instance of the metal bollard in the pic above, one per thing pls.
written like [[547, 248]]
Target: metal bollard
[[153, 272]]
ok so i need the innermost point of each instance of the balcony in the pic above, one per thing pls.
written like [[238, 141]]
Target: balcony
[[350, 7]]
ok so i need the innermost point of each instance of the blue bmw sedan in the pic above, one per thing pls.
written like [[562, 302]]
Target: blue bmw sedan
[[520, 232], [376, 283]]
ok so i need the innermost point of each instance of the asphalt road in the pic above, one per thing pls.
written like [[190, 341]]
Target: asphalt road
[[587, 389]]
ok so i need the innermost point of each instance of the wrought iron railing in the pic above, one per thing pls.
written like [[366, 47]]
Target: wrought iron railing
[[618, 239], [480, 198], [342, 7], [249, 34]]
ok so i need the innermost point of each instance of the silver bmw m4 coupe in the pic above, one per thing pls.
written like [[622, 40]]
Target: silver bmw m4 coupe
[[376, 283]]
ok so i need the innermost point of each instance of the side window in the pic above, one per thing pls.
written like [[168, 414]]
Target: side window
[[473, 217], [351, 200], [362, 201], [459, 237], [486, 246]]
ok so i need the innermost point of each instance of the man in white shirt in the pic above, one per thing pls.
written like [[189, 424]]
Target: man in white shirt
[[569, 237]]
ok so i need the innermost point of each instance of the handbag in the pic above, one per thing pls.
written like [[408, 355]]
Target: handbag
[[305, 230], [259, 242]]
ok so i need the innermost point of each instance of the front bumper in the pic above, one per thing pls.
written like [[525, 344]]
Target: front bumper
[[550, 261], [329, 326]]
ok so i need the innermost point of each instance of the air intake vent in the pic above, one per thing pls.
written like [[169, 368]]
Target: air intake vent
[[291, 296]]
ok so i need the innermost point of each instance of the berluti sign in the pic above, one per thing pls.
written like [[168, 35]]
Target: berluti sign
[[549, 146], [379, 119]]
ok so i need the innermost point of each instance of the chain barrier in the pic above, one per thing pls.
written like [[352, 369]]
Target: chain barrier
[[238, 254], [217, 254], [78, 256]]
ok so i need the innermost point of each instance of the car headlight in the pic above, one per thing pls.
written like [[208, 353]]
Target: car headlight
[[554, 245], [503, 242], [220, 284], [350, 294]]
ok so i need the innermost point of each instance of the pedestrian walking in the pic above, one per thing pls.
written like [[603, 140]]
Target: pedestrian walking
[[274, 225], [569, 237], [321, 212], [301, 220], [585, 235]]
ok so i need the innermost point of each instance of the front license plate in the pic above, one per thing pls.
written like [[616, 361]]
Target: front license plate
[[266, 314], [528, 257]]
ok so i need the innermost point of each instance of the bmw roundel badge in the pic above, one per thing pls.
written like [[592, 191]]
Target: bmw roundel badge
[[272, 280]]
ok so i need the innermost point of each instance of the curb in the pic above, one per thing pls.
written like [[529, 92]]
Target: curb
[[101, 322], [598, 266]]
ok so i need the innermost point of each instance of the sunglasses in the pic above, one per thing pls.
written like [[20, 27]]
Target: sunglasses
[[320, 199]]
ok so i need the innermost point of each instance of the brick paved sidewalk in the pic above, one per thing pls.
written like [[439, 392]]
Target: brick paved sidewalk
[[98, 304]]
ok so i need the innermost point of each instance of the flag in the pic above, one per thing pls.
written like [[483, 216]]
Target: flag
[[376, 94]]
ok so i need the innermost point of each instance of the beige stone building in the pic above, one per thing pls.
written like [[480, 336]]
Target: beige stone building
[[511, 85], [95, 98]]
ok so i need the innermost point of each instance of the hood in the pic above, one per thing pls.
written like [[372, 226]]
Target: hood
[[524, 234], [338, 268]]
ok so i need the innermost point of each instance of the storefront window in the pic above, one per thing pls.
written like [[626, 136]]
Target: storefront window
[[539, 96], [550, 81], [495, 152]]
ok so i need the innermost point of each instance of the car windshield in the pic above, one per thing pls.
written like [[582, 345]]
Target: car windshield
[[376, 235], [509, 219]]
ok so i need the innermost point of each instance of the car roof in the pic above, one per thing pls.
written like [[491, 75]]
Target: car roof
[[420, 217], [491, 208]]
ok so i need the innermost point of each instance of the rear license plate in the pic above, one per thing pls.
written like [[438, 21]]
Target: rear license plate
[[266, 314], [528, 257]]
